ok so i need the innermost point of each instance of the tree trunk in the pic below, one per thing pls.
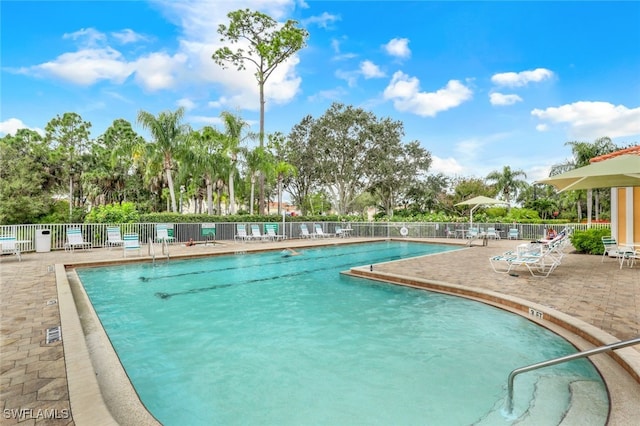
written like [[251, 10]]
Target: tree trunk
[[172, 193], [232, 196], [261, 178]]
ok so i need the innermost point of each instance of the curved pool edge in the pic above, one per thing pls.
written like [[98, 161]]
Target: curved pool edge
[[90, 395], [619, 369]]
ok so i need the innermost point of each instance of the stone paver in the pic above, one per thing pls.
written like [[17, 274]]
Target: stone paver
[[33, 378]]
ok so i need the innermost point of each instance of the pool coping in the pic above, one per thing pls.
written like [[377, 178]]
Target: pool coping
[[98, 384], [613, 367]]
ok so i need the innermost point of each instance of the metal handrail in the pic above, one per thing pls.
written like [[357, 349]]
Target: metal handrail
[[605, 348]]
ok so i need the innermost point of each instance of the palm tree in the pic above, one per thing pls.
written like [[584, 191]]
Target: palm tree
[[206, 160], [168, 135], [508, 182], [582, 153], [255, 164], [283, 170], [233, 126]]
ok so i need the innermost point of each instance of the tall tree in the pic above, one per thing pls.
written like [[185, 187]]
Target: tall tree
[[207, 160], [69, 136], [263, 42], [234, 136], [343, 138], [168, 134], [300, 150], [508, 182], [27, 178], [282, 169]]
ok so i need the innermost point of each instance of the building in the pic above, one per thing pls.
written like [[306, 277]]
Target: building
[[625, 204]]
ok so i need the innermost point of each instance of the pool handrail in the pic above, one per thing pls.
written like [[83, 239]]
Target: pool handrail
[[550, 362]]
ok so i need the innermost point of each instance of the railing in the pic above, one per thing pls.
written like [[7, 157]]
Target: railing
[[96, 233], [548, 363]]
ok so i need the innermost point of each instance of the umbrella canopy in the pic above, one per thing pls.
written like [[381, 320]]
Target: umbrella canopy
[[620, 171], [476, 202]]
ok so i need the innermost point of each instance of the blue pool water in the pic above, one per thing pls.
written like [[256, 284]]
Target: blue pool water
[[263, 339]]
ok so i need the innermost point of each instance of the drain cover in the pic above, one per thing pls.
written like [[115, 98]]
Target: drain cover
[[54, 335]]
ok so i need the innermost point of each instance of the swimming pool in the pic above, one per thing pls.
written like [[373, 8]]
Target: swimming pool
[[262, 339]]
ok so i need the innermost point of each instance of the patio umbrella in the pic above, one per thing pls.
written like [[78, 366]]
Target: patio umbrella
[[621, 171], [476, 202]]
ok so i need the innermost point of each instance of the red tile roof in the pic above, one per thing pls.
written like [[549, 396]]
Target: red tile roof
[[634, 150]]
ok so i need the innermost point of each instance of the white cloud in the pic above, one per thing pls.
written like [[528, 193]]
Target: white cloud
[[127, 36], [398, 47], [191, 63], [323, 21], [332, 94], [158, 71], [591, 120], [501, 99], [446, 166], [12, 125], [370, 70], [85, 67], [187, 104], [405, 93], [87, 36], [519, 79]]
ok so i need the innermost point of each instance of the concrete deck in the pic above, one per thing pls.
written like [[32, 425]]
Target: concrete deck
[[36, 377]]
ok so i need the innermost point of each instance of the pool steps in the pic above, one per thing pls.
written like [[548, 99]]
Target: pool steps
[[584, 407]]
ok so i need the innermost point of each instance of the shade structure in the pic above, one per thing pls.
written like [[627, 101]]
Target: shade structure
[[621, 171], [476, 202]]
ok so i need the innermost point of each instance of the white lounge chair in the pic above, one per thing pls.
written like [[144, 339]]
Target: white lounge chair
[[114, 238], [320, 232], [75, 240], [162, 234], [539, 259], [257, 235], [271, 232], [611, 248], [492, 233], [9, 245], [304, 231], [241, 233], [131, 242]]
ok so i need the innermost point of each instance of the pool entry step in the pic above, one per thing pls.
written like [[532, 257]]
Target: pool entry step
[[549, 405]]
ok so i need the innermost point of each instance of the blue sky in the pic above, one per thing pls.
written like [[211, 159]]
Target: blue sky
[[480, 84]]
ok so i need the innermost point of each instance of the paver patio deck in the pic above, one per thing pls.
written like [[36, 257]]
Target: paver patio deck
[[33, 374]]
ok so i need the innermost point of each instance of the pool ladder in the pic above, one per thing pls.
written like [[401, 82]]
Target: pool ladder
[[584, 354], [152, 251]]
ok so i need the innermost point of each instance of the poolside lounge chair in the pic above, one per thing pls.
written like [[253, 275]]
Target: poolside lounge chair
[[320, 232], [9, 245], [257, 235], [271, 232], [539, 259], [304, 231], [611, 248], [113, 237], [492, 233], [131, 243], [75, 240], [162, 233], [472, 233], [241, 233]]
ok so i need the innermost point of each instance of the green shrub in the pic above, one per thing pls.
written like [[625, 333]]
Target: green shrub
[[113, 213], [589, 241]]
